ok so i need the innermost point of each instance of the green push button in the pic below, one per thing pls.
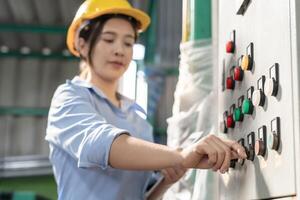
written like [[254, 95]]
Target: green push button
[[238, 115], [247, 107]]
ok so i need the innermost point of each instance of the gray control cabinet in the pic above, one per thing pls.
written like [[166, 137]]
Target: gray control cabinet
[[271, 26]]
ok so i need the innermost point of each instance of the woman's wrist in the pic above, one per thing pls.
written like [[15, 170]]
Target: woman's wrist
[[165, 185], [179, 157]]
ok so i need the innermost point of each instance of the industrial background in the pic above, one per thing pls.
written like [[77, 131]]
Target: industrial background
[[186, 80]]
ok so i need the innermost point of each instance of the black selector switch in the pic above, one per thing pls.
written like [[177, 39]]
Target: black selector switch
[[250, 149], [223, 127], [223, 124], [274, 136], [260, 143], [242, 143], [243, 7], [232, 163]]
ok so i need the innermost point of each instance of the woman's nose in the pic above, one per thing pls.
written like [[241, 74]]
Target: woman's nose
[[119, 50]]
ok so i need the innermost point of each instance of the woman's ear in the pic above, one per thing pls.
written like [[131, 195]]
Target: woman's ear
[[83, 48]]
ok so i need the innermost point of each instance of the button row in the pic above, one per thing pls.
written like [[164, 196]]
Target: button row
[[259, 146], [269, 86]]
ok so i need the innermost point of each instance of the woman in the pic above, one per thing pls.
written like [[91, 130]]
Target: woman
[[100, 148]]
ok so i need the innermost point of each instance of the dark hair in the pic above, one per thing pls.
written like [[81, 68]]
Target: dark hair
[[90, 33]]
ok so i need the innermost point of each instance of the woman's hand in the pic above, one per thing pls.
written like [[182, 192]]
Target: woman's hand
[[212, 152], [172, 175]]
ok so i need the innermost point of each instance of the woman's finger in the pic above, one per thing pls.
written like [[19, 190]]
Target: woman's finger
[[172, 173], [220, 154], [234, 145], [227, 156], [166, 175], [205, 148]]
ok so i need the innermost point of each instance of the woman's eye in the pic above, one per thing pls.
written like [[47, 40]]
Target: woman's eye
[[128, 44], [108, 40]]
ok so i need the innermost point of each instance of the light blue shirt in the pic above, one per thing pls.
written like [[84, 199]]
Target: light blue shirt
[[82, 125]]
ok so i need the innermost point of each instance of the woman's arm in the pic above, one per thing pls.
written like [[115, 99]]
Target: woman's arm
[[135, 154], [210, 152]]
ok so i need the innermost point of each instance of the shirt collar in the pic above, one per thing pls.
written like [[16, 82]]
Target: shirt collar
[[126, 103], [82, 83]]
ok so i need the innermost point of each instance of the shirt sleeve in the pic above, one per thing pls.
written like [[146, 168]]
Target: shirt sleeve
[[76, 127]]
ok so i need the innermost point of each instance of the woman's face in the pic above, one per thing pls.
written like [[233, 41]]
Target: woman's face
[[113, 50]]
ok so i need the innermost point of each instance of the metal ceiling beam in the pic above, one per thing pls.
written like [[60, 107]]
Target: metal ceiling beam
[[33, 28], [38, 55], [17, 111]]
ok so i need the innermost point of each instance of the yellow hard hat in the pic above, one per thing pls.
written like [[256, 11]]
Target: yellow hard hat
[[91, 9]]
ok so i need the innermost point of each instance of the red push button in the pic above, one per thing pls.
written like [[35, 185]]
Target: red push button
[[230, 47], [238, 74], [230, 83], [230, 121]]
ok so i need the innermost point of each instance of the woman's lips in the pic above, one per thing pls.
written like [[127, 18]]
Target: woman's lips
[[117, 64]]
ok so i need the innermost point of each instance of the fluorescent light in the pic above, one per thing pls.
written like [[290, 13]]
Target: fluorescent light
[[4, 49], [46, 51], [25, 50]]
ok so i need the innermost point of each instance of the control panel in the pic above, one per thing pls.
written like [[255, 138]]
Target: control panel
[[257, 101]]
